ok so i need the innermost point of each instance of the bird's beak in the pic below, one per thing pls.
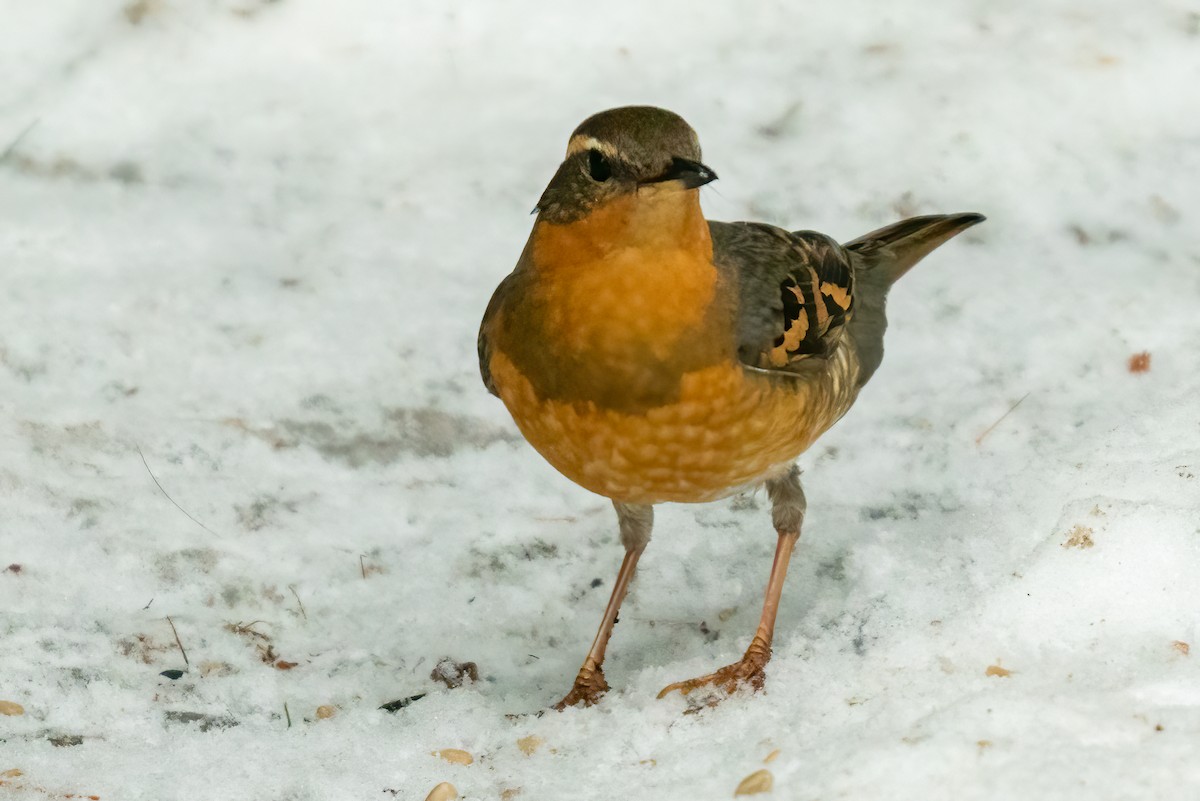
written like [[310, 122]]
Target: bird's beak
[[691, 174]]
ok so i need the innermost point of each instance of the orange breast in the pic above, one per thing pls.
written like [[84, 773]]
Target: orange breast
[[727, 430]]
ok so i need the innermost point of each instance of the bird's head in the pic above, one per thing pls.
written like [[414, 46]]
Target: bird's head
[[633, 152]]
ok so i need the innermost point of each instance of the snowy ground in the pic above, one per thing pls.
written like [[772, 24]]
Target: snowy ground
[[252, 240]]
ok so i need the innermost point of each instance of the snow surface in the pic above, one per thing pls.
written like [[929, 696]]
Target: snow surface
[[251, 242]]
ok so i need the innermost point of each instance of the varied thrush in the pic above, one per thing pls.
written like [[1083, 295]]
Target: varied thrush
[[652, 355]]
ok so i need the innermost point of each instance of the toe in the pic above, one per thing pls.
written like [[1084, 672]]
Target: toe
[[728, 679], [589, 687]]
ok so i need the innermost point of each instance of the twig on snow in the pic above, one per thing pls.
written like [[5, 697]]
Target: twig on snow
[[992, 427], [168, 497], [292, 587], [178, 641]]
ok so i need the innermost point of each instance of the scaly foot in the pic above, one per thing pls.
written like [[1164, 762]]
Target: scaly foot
[[729, 678], [588, 689]]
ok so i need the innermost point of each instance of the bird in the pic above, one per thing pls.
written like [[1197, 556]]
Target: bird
[[651, 355]]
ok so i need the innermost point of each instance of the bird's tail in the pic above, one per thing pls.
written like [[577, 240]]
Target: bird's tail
[[880, 258], [896, 248]]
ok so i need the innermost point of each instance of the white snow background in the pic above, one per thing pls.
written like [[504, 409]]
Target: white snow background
[[254, 240]]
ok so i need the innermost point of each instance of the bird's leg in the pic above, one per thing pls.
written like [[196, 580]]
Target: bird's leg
[[787, 513], [635, 522]]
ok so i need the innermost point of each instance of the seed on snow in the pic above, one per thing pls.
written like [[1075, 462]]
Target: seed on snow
[[326, 711], [443, 792], [530, 744], [760, 781], [11, 708], [455, 755]]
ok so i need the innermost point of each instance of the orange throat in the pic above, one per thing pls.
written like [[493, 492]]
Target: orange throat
[[634, 275]]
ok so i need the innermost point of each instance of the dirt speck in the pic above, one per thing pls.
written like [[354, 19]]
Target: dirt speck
[[143, 647], [137, 11], [206, 722], [65, 740], [454, 674], [264, 511], [1080, 537], [530, 744]]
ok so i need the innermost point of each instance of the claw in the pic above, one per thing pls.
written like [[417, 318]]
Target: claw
[[590, 686], [748, 671], [728, 679]]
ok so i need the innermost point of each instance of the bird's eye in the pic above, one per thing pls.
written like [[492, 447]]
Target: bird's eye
[[598, 166]]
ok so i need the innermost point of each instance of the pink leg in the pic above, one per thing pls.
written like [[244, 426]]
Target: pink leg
[[787, 512], [636, 523]]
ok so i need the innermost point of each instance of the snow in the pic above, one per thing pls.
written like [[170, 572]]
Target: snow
[[251, 242]]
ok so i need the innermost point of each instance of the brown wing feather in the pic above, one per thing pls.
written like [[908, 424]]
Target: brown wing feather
[[796, 293]]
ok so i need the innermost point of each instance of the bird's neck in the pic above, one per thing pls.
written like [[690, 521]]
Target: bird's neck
[[651, 219]]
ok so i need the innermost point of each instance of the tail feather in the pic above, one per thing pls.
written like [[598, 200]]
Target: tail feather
[[896, 248], [880, 258]]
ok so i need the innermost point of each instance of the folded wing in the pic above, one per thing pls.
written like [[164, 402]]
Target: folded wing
[[795, 293]]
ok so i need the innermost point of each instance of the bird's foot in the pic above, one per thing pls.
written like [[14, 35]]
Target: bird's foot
[[588, 689], [748, 671]]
